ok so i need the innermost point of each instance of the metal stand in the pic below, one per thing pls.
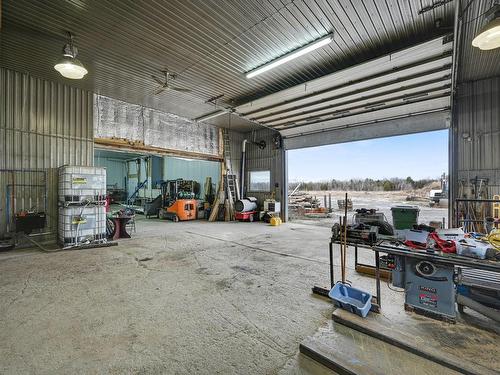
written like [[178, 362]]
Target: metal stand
[[324, 292]]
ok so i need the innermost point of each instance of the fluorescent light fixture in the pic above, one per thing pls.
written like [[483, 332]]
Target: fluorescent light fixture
[[212, 115], [69, 66], [489, 36], [291, 55]]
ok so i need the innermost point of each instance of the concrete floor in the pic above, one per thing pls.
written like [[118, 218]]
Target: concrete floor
[[177, 298]]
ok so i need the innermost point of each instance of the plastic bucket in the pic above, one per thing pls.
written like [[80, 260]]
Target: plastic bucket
[[351, 299]]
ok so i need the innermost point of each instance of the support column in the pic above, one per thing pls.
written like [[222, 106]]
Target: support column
[[284, 184]]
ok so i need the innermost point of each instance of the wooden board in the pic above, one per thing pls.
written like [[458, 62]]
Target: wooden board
[[371, 271], [135, 146]]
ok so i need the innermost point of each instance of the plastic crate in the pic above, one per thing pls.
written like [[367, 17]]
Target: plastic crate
[[351, 299]]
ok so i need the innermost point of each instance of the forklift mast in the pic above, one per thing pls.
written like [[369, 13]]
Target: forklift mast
[[172, 190]]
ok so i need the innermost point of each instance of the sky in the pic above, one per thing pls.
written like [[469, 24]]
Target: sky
[[423, 155]]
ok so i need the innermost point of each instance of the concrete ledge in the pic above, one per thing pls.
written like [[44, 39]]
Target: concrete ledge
[[400, 339], [347, 351]]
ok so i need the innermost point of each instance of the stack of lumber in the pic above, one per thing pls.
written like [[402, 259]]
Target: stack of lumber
[[303, 200], [305, 204]]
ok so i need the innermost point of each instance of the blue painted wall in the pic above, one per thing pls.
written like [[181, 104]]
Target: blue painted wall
[[191, 169], [116, 170]]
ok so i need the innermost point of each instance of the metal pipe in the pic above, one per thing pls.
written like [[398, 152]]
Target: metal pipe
[[479, 307], [345, 242], [242, 168], [284, 184], [295, 190], [452, 135]]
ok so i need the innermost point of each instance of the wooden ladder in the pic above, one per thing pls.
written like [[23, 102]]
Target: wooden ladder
[[229, 191]]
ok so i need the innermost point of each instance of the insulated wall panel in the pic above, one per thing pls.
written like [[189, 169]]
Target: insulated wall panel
[[43, 125], [117, 119]]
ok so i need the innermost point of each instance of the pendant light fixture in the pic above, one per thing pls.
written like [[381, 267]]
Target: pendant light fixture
[[489, 35], [69, 66]]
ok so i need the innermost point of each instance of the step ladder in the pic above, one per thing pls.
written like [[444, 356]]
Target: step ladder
[[232, 193], [231, 185]]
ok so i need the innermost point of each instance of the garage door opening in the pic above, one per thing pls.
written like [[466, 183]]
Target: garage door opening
[[378, 173], [139, 180]]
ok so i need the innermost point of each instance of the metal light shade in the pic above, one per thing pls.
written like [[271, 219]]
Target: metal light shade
[[489, 36], [70, 67]]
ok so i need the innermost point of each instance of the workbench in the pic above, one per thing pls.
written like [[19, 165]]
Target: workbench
[[449, 260], [388, 246]]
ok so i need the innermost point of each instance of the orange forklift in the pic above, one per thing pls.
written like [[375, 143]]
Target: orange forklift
[[179, 200]]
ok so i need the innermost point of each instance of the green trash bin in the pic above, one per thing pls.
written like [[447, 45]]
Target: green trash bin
[[404, 217]]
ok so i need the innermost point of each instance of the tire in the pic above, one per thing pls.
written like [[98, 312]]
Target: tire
[[6, 244], [386, 228], [175, 219], [110, 228], [250, 218]]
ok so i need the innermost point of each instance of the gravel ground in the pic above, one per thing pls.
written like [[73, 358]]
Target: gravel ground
[[382, 201]]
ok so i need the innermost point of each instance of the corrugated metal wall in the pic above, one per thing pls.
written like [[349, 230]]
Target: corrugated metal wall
[[266, 159], [118, 119], [478, 131], [43, 125]]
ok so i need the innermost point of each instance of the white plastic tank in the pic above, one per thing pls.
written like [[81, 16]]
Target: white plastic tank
[[82, 224], [80, 185]]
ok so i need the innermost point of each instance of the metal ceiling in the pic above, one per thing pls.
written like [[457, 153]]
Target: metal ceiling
[[210, 43], [409, 82]]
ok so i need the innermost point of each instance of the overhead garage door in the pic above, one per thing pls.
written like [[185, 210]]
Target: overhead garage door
[[402, 93]]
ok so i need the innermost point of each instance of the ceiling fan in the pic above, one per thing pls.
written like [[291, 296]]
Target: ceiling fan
[[165, 84]]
